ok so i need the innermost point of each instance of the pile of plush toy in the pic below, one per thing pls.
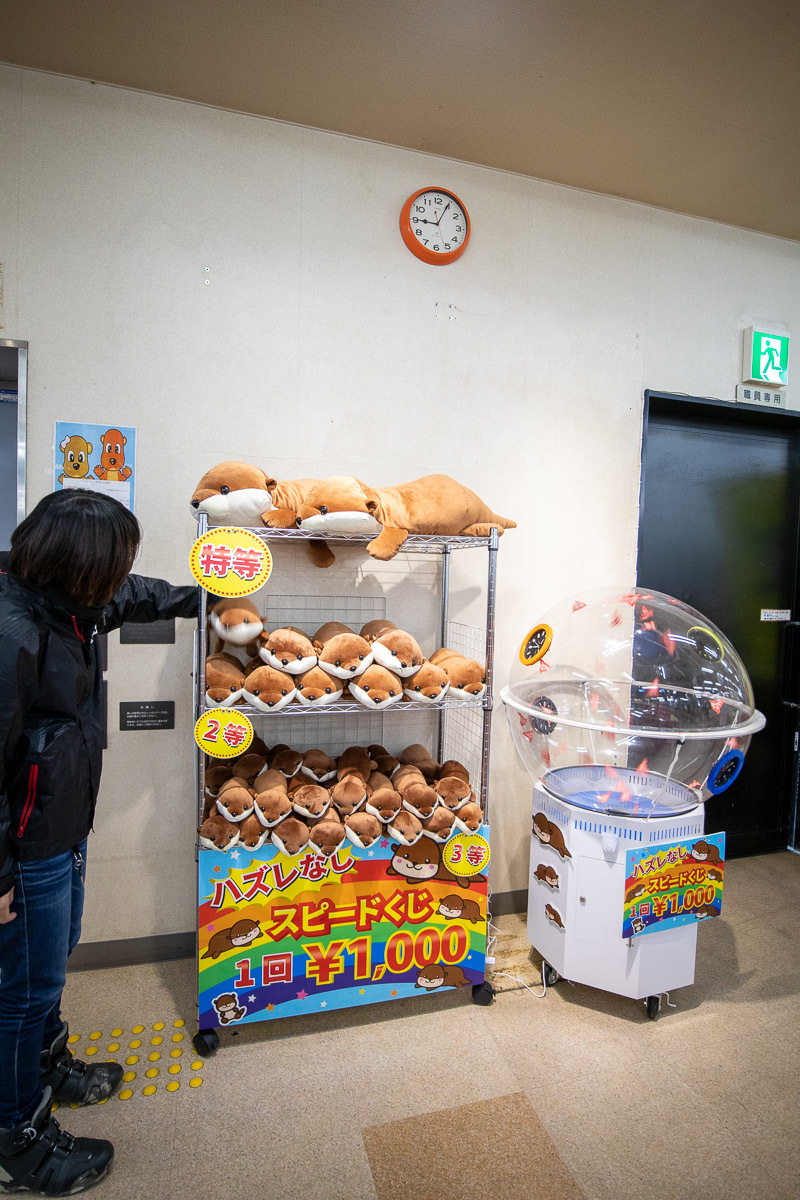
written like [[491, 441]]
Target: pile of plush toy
[[310, 801], [378, 666]]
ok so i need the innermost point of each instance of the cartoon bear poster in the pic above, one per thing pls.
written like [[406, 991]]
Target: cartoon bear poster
[[101, 458]]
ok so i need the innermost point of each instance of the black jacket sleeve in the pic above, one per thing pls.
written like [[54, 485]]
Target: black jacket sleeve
[[141, 600], [19, 683]]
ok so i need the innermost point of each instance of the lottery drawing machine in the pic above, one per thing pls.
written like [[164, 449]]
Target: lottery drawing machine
[[630, 711]]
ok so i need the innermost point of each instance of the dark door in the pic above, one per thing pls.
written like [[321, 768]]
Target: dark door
[[718, 528]]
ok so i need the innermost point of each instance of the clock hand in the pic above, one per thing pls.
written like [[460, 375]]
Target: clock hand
[[444, 210]]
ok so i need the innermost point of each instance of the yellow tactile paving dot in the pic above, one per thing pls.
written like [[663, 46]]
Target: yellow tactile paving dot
[[139, 1067]]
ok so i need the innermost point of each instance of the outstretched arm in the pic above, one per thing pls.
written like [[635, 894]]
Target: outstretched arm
[[141, 600]]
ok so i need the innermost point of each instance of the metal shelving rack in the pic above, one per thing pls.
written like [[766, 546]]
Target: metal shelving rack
[[464, 726]]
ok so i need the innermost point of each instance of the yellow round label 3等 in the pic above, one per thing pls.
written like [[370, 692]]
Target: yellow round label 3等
[[230, 562], [223, 733], [466, 854]]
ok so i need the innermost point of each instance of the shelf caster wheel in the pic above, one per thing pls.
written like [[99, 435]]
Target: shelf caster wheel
[[482, 993], [550, 975], [653, 1005], [206, 1042]]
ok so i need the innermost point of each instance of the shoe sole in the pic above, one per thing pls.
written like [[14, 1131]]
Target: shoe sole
[[81, 1185]]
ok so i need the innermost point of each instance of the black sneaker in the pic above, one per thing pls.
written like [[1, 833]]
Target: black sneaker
[[39, 1157], [74, 1082]]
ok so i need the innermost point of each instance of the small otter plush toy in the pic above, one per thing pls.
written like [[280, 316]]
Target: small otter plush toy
[[316, 687], [349, 794], [218, 834], [288, 649], [467, 677], [235, 621], [362, 829], [252, 833], [311, 800], [418, 756], [290, 836], [268, 689], [318, 766], [224, 680], [428, 685], [393, 648], [468, 818], [405, 827], [234, 801], [272, 806], [385, 804], [432, 504], [326, 836], [439, 825], [341, 652], [376, 687]]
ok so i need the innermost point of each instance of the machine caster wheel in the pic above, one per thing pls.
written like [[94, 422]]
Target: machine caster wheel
[[550, 975], [482, 993], [653, 1004], [206, 1042]]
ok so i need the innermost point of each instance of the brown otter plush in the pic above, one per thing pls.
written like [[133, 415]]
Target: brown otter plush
[[405, 827], [349, 794], [318, 766], [290, 836], [385, 804], [454, 792], [216, 775], [356, 758], [340, 651], [377, 780], [252, 833], [393, 648], [439, 825], [326, 836], [467, 677], [248, 766], [310, 800], [235, 621], [272, 806], [420, 799], [416, 755], [362, 829], [384, 761], [234, 803], [224, 680], [269, 690], [270, 778], [218, 834], [432, 504], [376, 688], [317, 687], [428, 685], [453, 767], [468, 818], [288, 649]]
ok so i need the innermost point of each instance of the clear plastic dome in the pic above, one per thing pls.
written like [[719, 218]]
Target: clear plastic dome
[[630, 702]]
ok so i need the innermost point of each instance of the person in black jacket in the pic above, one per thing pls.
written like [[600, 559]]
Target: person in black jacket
[[66, 579]]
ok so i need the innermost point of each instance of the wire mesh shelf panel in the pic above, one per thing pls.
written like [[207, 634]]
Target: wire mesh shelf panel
[[310, 612], [463, 740], [332, 732], [418, 542], [469, 640]]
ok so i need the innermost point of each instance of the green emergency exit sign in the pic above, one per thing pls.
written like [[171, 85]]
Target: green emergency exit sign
[[766, 357]]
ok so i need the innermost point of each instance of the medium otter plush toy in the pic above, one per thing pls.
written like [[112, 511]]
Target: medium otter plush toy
[[316, 687], [341, 652], [428, 685], [467, 677], [376, 687], [393, 648], [235, 621], [432, 504], [224, 680], [268, 689], [288, 649]]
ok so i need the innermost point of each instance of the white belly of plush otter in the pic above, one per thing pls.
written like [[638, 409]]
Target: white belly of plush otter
[[242, 507], [342, 522]]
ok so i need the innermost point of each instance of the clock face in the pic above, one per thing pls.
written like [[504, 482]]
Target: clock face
[[435, 226]]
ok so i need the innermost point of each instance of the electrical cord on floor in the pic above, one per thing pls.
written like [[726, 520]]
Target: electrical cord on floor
[[537, 995]]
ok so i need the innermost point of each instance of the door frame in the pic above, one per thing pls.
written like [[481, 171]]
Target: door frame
[[22, 418], [698, 409]]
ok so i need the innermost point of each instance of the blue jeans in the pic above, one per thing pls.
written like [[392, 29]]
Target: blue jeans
[[34, 948]]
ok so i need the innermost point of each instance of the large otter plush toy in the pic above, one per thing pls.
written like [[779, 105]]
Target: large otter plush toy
[[432, 504]]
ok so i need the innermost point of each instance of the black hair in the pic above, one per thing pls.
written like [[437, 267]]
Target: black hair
[[79, 541]]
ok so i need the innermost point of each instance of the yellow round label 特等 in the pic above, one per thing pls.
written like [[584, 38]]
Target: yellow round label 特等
[[230, 562], [466, 854], [223, 733]]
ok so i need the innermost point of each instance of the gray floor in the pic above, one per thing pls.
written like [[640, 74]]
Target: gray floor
[[702, 1102]]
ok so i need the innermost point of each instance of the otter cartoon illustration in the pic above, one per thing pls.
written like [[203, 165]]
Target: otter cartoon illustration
[[553, 915], [635, 892], [459, 908], [708, 911], [76, 451], [703, 852], [549, 834], [440, 975], [421, 863], [715, 876], [546, 875], [112, 458], [242, 933], [228, 1008]]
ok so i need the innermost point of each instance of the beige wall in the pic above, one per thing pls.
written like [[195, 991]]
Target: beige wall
[[319, 345]]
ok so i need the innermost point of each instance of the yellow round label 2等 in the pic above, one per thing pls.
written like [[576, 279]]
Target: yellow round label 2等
[[223, 733], [466, 854], [535, 645], [230, 562]]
